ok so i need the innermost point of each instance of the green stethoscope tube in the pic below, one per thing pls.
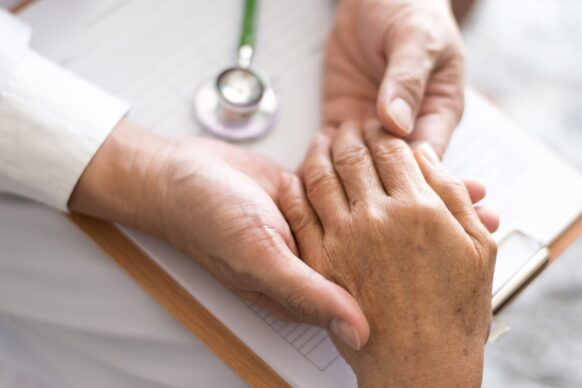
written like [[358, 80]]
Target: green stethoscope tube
[[248, 30]]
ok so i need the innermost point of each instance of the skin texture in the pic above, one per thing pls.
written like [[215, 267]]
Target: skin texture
[[400, 61], [400, 234], [217, 203], [214, 202]]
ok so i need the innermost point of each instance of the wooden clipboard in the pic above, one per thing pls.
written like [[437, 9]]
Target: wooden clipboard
[[191, 313], [173, 297]]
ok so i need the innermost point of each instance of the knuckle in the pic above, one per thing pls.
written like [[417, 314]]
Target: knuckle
[[421, 210], [486, 249], [350, 157], [425, 208], [418, 25], [417, 38], [411, 84], [433, 46], [299, 303], [430, 210], [319, 179], [453, 186], [391, 151], [375, 216], [300, 221], [490, 247]]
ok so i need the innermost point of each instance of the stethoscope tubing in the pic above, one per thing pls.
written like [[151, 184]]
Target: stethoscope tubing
[[248, 33]]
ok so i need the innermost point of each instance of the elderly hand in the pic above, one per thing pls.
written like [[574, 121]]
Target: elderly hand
[[401, 235], [400, 61], [215, 202]]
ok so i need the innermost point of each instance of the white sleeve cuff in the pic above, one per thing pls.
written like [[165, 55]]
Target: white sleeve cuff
[[52, 123]]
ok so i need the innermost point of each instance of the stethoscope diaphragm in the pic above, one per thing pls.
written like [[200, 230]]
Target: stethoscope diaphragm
[[238, 105]]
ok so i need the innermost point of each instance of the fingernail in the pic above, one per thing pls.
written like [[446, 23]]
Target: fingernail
[[345, 332], [429, 155], [401, 113]]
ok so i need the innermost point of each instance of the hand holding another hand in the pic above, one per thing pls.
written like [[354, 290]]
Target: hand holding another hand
[[215, 202], [400, 234]]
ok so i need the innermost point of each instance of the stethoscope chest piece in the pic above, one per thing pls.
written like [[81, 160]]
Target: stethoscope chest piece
[[237, 105]]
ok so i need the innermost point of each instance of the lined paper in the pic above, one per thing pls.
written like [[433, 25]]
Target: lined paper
[[311, 341], [156, 54]]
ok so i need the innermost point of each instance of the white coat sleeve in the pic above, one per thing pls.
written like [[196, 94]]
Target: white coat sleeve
[[52, 122]]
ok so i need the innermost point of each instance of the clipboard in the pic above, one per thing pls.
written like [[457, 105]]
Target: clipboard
[[215, 335], [239, 357], [526, 274]]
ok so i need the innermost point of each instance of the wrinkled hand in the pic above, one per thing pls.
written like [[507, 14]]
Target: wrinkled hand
[[401, 235], [400, 61], [217, 212], [215, 202]]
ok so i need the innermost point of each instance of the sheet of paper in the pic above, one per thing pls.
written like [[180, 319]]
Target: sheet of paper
[[156, 54]]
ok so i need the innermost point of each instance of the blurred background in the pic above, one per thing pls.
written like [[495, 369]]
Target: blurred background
[[526, 56]]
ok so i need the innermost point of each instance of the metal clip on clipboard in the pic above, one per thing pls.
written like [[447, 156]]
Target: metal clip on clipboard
[[518, 281]]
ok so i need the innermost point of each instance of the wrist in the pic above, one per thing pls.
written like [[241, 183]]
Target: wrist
[[124, 181], [450, 364]]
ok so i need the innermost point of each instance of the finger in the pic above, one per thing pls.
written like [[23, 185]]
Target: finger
[[348, 323], [477, 191], [329, 131], [442, 107], [324, 190], [354, 165], [394, 161], [267, 303], [451, 190], [489, 218], [313, 299], [301, 218], [475, 188], [410, 64]]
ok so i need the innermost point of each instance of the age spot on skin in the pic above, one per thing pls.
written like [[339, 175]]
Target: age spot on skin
[[419, 248]]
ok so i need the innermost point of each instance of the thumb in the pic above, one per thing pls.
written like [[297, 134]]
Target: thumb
[[313, 299], [410, 65]]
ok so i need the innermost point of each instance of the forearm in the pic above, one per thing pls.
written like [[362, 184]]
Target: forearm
[[125, 179]]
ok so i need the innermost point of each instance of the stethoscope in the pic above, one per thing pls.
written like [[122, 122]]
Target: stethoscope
[[238, 105]]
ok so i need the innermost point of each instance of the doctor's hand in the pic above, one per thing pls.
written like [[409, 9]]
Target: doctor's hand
[[400, 234], [216, 203], [400, 61]]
